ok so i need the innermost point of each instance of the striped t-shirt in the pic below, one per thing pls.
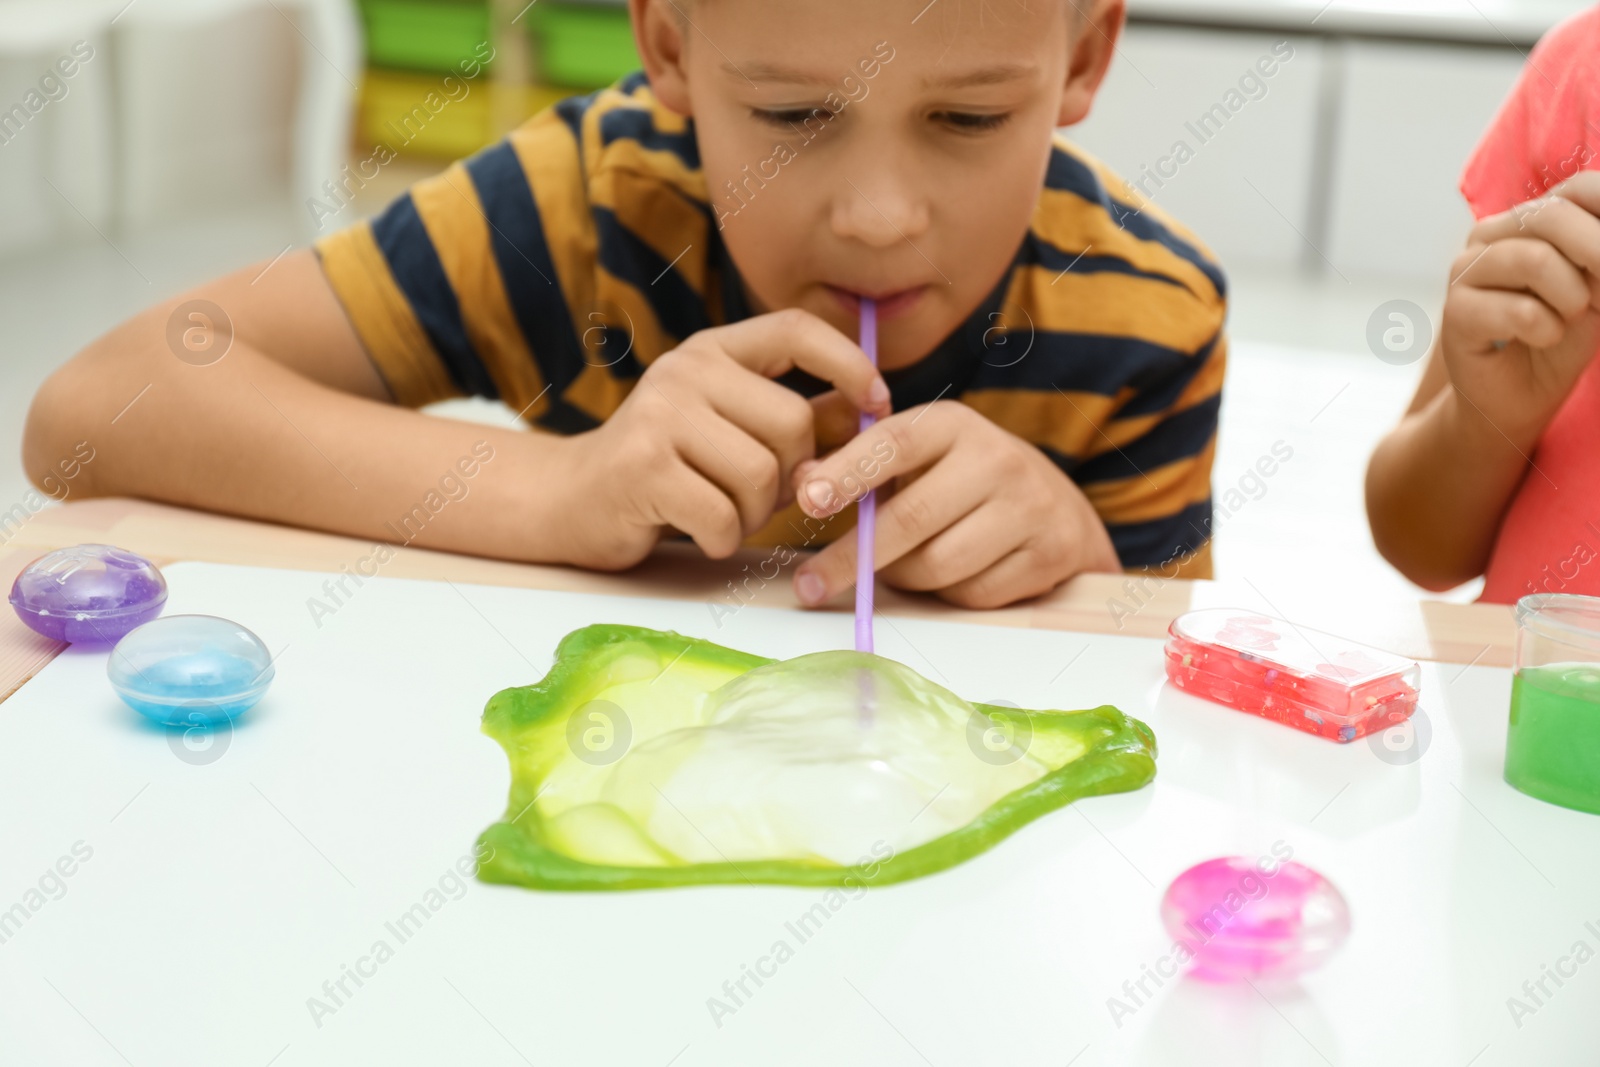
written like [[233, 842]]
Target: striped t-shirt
[[541, 272]]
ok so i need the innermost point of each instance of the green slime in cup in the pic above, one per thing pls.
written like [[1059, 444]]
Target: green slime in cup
[[1553, 742], [647, 759]]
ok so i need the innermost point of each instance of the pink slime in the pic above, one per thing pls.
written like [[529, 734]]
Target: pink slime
[[1240, 922], [867, 510]]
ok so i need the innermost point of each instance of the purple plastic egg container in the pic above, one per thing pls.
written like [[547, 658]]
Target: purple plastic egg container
[[88, 594]]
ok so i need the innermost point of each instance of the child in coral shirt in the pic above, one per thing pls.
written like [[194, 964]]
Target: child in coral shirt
[[1495, 468]]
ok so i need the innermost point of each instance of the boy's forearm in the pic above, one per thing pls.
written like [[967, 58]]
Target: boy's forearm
[[1437, 488], [250, 437]]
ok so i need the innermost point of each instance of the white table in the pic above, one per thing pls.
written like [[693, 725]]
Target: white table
[[226, 885]]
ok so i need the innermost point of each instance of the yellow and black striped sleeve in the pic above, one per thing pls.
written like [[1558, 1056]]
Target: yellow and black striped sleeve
[[444, 298], [510, 275]]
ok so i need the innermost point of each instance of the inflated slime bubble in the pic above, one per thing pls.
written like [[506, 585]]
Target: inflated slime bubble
[[652, 759]]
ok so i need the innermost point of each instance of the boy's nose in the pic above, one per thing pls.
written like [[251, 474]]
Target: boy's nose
[[878, 215]]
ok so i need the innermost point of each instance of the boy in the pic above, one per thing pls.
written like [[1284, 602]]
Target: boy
[[666, 278], [1495, 469]]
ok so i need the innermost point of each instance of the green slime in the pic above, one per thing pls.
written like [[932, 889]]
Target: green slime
[[1553, 741], [647, 759]]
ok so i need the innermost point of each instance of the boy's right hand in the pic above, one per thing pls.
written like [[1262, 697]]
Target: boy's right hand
[[1522, 316], [706, 442]]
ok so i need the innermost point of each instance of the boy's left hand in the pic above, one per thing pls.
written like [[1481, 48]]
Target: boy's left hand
[[979, 515]]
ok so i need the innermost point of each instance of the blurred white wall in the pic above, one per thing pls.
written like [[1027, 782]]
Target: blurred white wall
[[1249, 168], [1344, 161], [118, 116], [1409, 119]]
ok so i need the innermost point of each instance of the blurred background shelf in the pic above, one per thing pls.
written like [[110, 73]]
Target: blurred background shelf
[[582, 44], [424, 35], [428, 63]]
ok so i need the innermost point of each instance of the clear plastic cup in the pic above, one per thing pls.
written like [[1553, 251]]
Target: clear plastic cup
[[1553, 742]]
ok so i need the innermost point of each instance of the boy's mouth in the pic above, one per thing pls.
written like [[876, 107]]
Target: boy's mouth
[[891, 303]]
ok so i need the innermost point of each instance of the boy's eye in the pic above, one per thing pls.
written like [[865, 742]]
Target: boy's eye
[[968, 122], [964, 121], [786, 117]]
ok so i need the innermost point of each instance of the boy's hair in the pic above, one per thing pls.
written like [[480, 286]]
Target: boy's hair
[[1076, 12]]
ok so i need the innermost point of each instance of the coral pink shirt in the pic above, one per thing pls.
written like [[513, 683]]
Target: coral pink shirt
[[1547, 130]]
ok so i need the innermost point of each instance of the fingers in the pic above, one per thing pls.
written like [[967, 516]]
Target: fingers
[[776, 343], [691, 503], [1565, 224], [1582, 189], [834, 420], [1486, 316], [776, 416], [742, 467], [743, 432], [900, 444], [939, 506], [973, 544], [1015, 577], [1525, 263]]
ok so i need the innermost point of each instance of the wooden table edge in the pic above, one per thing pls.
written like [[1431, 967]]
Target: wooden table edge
[[1091, 603]]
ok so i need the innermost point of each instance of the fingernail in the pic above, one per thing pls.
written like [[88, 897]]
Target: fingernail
[[810, 588], [878, 394], [819, 495]]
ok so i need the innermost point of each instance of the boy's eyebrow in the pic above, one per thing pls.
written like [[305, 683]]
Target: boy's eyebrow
[[771, 72], [998, 74]]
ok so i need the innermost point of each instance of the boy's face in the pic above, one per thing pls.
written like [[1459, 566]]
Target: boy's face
[[884, 148]]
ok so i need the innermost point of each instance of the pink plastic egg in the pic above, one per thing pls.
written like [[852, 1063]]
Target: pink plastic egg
[[1241, 919]]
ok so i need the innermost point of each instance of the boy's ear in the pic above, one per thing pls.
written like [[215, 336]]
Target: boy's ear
[[1098, 24], [658, 34]]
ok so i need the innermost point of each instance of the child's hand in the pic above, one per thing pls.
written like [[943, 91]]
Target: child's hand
[[706, 442], [979, 515], [1522, 317]]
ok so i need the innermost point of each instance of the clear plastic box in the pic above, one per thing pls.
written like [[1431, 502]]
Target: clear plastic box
[[1313, 681]]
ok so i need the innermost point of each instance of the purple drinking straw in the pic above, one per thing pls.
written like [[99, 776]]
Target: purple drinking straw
[[867, 509]]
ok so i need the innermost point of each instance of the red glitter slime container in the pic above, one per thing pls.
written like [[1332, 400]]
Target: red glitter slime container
[[1313, 681]]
